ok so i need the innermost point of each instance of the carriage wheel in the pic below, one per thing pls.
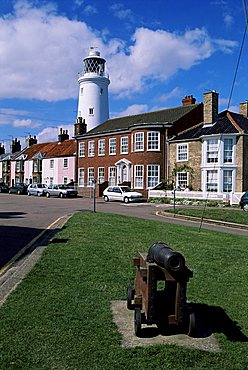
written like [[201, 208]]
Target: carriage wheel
[[130, 297], [137, 321]]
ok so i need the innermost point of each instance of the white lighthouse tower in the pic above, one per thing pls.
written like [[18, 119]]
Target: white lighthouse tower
[[93, 104]]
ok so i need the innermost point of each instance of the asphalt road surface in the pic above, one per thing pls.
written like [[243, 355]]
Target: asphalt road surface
[[23, 218]]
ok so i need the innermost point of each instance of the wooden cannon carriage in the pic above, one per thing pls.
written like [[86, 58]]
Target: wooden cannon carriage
[[159, 296]]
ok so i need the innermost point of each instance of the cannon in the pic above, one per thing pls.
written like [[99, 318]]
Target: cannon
[[159, 295]]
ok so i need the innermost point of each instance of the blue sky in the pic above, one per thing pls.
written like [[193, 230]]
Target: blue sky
[[157, 52]]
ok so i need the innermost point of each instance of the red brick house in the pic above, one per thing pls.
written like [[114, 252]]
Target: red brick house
[[133, 149]]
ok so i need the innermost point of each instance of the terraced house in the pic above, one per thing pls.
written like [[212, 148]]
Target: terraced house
[[212, 156]]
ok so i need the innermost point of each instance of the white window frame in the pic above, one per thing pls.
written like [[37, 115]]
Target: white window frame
[[124, 146], [81, 149], [139, 176], [51, 164], [182, 179], [153, 178], [227, 152], [101, 175], [65, 180], [139, 141], [101, 147], [112, 176], [112, 146], [212, 151], [91, 111], [212, 180], [91, 176], [229, 183], [81, 176], [91, 148], [65, 162], [182, 152], [153, 141]]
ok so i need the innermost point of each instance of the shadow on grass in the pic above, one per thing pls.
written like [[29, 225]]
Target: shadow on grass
[[208, 320], [214, 319]]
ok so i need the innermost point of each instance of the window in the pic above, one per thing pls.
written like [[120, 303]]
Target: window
[[51, 180], [152, 175], [81, 177], [81, 149], [65, 180], [101, 147], [212, 151], [153, 140], [124, 145], [91, 149], [101, 175], [51, 163], [91, 176], [112, 175], [139, 141], [81, 90], [228, 150], [101, 91], [65, 162], [112, 146], [227, 180], [212, 180], [182, 152], [138, 176], [91, 111], [182, 179]]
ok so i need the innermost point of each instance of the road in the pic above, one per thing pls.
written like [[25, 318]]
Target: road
[[23, 218]]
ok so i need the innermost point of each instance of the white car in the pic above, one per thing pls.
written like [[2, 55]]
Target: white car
[[36, 189], [121, 193]]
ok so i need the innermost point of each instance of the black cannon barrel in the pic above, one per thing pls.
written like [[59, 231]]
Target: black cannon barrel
[[164, 256]]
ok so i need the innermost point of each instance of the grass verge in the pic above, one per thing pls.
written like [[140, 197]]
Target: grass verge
[[226, 214], [60, 317]]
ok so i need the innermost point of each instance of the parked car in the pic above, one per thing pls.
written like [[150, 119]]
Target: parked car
[[3, 187], [37, 189], [18, 188], [244, 201], [61, 191], [121, 193]]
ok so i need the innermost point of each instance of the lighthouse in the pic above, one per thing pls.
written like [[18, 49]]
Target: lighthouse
[[93, 106]]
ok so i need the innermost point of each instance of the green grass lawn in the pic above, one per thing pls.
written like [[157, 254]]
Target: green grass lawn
[[60, 316], [222, 214]]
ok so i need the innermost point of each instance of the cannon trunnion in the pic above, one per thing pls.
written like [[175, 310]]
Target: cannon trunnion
[[159, 296]]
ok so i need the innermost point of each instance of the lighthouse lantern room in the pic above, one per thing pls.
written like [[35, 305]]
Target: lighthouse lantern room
[[93, 104]]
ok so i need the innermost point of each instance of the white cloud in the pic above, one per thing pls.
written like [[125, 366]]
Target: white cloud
[[120, 12], [228, 20], [131, 110], [41, 54], [175, 93], [89, 9], [51, 133], [25, 123]]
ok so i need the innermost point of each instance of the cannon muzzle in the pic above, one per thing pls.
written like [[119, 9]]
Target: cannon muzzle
[[165, 257]]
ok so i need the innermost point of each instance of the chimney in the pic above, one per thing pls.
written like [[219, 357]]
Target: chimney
[[31, 141], [188, 100], [210, 106], [2, 149], [63, 136], [80, 127], [15, 146], [243, 108]]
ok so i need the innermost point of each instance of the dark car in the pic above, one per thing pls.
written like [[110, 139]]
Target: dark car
[[244, 201], [18, 188], [3, 187]]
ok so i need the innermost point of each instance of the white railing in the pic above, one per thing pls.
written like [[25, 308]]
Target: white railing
[[232, 198]]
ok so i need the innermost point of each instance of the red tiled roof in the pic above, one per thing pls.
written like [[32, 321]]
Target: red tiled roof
[[52, 149]]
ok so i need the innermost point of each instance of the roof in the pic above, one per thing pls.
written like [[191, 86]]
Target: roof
[[169, 115], [50, 150], [227, 123]]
